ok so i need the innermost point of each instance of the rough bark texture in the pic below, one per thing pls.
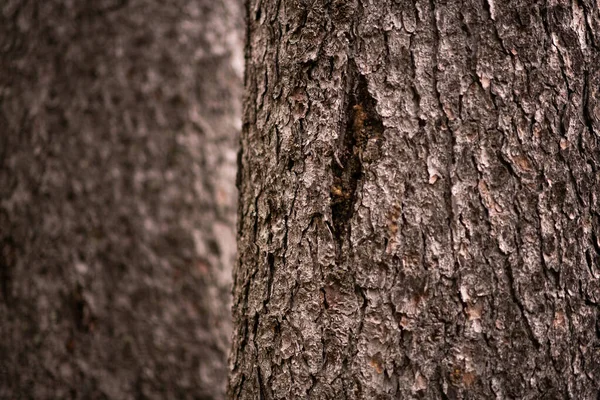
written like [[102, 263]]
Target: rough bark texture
[[118, 136], [419, 201]]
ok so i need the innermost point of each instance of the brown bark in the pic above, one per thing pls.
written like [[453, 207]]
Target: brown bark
[[118, 135], [419, 201]]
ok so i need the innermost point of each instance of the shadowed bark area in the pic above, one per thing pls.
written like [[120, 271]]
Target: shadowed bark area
[[419, 201], [118, 136]]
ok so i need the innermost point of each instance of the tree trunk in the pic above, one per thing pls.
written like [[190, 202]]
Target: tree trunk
[[419, 201], [118, 127]]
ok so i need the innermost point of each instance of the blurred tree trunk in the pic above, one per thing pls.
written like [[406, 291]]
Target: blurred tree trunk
[[419, 201], [118, 136]]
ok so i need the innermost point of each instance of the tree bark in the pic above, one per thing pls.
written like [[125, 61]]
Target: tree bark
[[419, 201], [118, 137]]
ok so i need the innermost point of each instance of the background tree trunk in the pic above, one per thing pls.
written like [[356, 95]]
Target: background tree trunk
[[118, 129], [419, 201]]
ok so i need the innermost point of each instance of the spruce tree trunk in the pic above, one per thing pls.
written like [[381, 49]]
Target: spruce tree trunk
[[118, 136], [419, 210]]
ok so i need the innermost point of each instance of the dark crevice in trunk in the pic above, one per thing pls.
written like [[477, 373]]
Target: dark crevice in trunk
[[587, 115], [362, 123], [101, 10], [261, 387], [518, 302], [82, 313], [7, 259]]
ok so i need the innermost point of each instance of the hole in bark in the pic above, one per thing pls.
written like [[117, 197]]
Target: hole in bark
[[598, 324], [271, 265], [84, 319], [7, 260], [213, 247], [362, 123], [325, 303]]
